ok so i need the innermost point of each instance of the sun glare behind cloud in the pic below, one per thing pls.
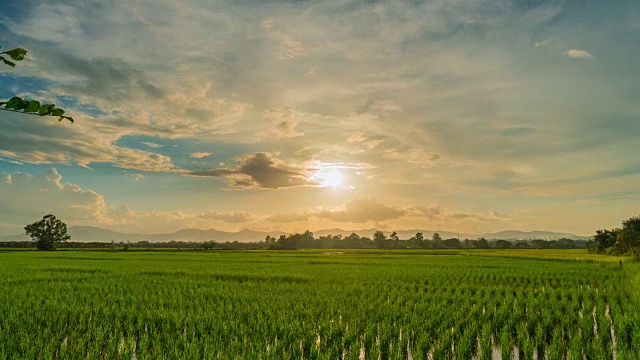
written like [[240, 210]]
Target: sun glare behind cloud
[[333, 178], [419, 104], [329, 175]]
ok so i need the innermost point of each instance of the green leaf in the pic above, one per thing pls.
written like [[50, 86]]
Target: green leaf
[[22, 105], [7, 61], [57, 112], [13, 103], [16, 54], [66, 117], [46, 109], [34, 106]]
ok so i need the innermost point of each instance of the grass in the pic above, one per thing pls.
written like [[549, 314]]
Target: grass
[[564, 254], [317, 305]]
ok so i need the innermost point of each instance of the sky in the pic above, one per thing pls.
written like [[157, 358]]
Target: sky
[[460, 115]]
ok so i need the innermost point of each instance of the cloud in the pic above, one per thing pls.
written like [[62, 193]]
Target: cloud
[[283, 122], [577, 54], [439, 214], [357, 137], [118, 216], [365, 143], [39, 140], [259, 171], [425, 80], [288, 217], [11, 161], [229, 217], [372, 144], [107, 78], [416, 156], [370, 210], [362, 210], [152, 145], [540, 44], [386, 105], [423, 158], [33, 196], [200, 155], [356, 211], [610, 199]]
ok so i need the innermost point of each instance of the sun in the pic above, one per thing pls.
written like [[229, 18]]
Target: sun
[[333, 178]]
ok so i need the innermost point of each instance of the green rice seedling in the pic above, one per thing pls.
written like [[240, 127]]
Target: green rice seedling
[[486, 343], [443, 348], [307, 305], [506, 346]]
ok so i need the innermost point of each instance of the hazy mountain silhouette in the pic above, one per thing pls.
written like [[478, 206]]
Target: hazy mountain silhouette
[[96, 234]]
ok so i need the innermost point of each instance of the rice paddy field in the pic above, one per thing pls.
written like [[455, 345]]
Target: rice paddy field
[[317, 305]]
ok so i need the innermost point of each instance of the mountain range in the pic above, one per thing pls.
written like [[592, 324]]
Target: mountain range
[[95, 234]]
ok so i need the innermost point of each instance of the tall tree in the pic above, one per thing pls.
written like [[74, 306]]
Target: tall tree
[[482, 243], [47, 232], [436, 241], [379, 239], [417, 241], [605, 238]]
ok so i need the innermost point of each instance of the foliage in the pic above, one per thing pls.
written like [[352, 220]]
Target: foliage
[[283, 305], [417, 241], [15, 54], [482, 243], [605, 238], [379, 239], [628, 237], [619, 241], [208, 245], [47, 232], [452, 243], [291, 242], [503, 244], [31, 107]]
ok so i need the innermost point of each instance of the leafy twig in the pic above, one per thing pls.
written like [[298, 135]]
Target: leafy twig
[[33, 107], [17, 54]]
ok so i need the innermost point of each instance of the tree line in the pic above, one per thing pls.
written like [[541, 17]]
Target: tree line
[[50, 232], [380, 240], [618, 241], [307, 240]]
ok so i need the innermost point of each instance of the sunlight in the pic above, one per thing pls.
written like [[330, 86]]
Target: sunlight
[[332, 175], [333, 178]]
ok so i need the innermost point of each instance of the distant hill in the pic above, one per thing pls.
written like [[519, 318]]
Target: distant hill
[[86, 234], [526, 235], [96, 234]]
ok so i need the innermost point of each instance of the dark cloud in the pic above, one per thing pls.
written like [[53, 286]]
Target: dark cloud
[[260, 170], [104, 78]]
